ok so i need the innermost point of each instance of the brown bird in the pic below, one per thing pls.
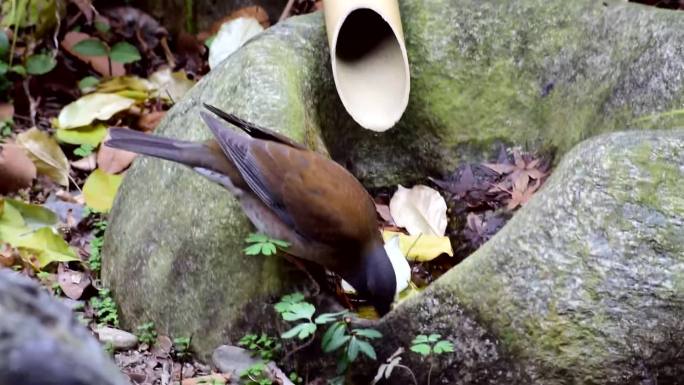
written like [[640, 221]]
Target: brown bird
[[289, 193]]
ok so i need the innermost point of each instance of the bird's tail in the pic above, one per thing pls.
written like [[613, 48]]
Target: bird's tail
[[184, 152]]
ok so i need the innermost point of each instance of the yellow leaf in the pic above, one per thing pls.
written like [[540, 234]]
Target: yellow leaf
[[46, 155], [91, 134], [421, 247], [42, 247], [88, 108], [100, 189], [125, 83]]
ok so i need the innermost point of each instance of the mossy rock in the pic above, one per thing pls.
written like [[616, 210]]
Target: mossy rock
[[543, 74]]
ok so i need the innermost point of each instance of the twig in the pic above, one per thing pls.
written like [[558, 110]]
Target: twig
[[300, 347], [286, 10], [32, 102], [413, 376], [429, 372], [59, 24]]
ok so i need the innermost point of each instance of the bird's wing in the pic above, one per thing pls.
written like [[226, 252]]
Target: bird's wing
[[315, 196], [252, 129]]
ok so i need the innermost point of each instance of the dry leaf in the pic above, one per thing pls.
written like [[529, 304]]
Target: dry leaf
[[72, 282], [8, 255], [420, 210], [113, 160], [384, 212], [232, 35], [46, 155], [16, 168], [86, 164], [213, 379], [148, 122], [6, 111], [99, 63], [421, 247]]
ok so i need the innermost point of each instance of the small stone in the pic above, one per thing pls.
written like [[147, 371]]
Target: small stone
[[232, 359], [119, 339]]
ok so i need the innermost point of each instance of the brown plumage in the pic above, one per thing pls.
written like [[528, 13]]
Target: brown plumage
[[289, 193]]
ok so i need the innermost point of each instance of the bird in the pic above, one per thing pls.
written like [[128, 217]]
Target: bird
[[288, 192]]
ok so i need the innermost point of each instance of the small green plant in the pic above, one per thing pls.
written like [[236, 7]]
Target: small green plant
[[339, 337], [146, 333], [295, 378], [95, 259], [264, 346], [6, 128], [105, 308], [256, 375], [181, 347], [122, 52], [84, 150], [262, 244], [429, 346]]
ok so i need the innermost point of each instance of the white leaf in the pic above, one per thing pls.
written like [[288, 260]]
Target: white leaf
[[88, 108], [420, 210], [232, 35]]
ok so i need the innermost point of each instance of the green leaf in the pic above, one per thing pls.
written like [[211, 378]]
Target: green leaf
[[443, 346], [99, 190], [91, 135], [280, 243], [301, 310], [102, 26], [253, 249], [434, 337], [327, 337], [302, 331], [338, 339], [88, 82], [329, 317], [124, 52], [293, 298], [91, 47], [368, 333], [84, 150], [420, 339], [18, 69], [34, 216], [40, 64], [3, 68], [353, 349], [257, 238], [268, 249], [422, 349], [4, 44], [367, 349], [43, 247]]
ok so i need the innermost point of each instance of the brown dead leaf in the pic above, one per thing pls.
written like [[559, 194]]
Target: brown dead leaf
[[72, 282], [521, 197], [6, 111], [8, 255], [16, 168], [148, 122], [215, 378], [113, 160], [384, 212], [99, 63], [89, 163]]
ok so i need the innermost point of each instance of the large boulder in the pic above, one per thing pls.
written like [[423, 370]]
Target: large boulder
[[527, 72], [41, 342]]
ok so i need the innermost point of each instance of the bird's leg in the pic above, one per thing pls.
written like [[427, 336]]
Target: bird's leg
[[295, 261]]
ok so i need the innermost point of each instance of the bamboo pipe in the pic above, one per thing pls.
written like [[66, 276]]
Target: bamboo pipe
[[369, 61]]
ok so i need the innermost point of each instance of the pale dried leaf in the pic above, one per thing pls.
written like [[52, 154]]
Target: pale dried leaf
[[72, 282], [421, 210], [213, 379], [98, 106], [16, 168], [46, 155], [113, 160], [86, 164]]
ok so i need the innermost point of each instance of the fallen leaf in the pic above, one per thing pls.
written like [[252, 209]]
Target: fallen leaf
[[420, 210], [99, 63], [519, 197], [68, 212], [230, 37], [98, 106], [171, 85], [46, 155], [72, 282], [89, 163], [42, 247], [33, 216], [421, 247], [6, 111], [16, 168], [100, 189], [384, 212], [113, 160], [91, 135], [126, 83], [255, 12]]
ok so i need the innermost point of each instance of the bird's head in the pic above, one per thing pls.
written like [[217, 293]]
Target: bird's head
[[380, 279]]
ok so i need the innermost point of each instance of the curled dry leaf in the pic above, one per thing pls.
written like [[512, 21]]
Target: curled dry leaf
[[16, 168], [99, 63], [113, 160], [72, 282], [420, 210], [46, 155]]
